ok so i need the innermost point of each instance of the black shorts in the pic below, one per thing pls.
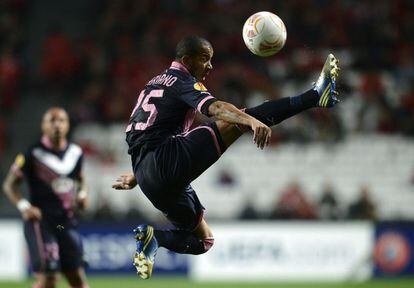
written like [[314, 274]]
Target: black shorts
[[164, 175], [52, 249]]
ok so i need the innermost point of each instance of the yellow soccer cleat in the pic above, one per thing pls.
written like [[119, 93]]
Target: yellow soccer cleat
[[147, 247], [326, 83]]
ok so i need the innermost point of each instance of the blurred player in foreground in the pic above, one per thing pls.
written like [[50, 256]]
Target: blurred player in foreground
[[53, 170], [171, 143]]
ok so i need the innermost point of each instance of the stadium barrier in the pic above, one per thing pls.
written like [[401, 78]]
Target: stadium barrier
[[287, 251], [109, 249], [247, 251], [394, 248], [12, 251]]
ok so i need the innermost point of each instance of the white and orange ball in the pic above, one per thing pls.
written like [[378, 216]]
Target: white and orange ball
[[264, 33]]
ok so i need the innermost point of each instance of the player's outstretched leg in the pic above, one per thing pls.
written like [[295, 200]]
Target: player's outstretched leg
[[146, 250], [323, 95]]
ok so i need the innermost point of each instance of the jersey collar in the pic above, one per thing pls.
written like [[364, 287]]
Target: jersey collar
[[178, 66], [48, 144]]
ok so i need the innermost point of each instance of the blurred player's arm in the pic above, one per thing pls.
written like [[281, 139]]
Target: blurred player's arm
[[231, 114], [82, 193], [11, 188], [125, 181]]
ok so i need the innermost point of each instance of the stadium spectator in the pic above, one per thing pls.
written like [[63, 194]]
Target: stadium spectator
[[59, 62], [293, 204], [87, 107], [363, 208], [405, 112], [226, 178], [52, 168], [328, 204], [249, 212], [104, 212], [2, 137], [10, 74], [412, 178]]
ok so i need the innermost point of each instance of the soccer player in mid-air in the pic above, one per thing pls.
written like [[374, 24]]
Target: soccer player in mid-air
[[171, 143], [52, 168]]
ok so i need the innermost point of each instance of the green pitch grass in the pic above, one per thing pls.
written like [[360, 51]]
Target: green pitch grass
[[133, 282]]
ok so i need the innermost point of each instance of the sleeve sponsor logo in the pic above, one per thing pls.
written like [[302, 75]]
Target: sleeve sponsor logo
[[19, 161], [200, 87]]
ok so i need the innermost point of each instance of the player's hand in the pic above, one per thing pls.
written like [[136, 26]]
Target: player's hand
[[261, 133], [125, 182], [82, 200], [32, 213]]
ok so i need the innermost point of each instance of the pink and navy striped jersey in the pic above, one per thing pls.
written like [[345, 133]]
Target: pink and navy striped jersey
[[166, 107]]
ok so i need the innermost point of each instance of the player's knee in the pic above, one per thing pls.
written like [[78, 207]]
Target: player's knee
[[76, 279], [207, 244], [50, 280]]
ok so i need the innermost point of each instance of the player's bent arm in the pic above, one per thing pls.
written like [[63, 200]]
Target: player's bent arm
[[229, 113], [11, 189]]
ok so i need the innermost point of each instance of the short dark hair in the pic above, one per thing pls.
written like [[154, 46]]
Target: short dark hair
[[190, 45]]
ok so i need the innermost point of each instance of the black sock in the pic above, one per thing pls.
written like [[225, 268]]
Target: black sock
[[275, 111], [179, 241]]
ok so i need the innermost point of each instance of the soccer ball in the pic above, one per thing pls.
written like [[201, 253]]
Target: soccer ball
[[264, 33]]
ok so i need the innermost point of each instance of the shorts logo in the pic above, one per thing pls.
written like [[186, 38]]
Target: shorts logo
[[200, 87]]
